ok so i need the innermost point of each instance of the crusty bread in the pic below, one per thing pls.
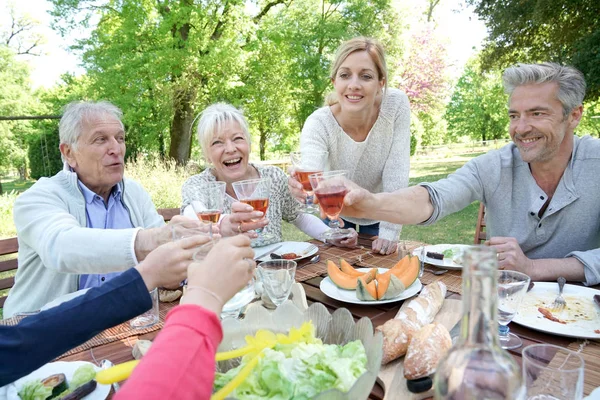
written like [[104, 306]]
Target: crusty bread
[[420, 311], [426, 349], [168, 296]]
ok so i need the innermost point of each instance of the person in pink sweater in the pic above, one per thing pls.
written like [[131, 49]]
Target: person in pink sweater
[[181, 362]]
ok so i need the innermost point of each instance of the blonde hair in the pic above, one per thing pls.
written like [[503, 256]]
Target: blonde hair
[[212, 120], [360, 43]]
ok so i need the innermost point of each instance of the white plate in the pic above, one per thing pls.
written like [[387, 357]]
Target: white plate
[[304, 249], [349, 296], [65, 297], [580, 301], [440, 248], [64, 367]]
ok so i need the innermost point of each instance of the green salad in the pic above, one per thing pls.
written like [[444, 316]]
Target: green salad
[[36, 390], [299, 371]]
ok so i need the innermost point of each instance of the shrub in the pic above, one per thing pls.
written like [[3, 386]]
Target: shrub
[[161, 179], [7, 225], [44, 155]]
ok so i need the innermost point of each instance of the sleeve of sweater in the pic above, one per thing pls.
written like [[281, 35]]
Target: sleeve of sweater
[[42, 337], [181, 362], [314, 137], [397, 166]]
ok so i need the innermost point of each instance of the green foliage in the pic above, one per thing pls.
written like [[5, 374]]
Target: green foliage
[[7, 226], [44, 154], [161, 179], [565, 31], [477, 109]]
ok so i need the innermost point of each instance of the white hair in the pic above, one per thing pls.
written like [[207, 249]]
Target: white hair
[[212, 120], [77, 113]]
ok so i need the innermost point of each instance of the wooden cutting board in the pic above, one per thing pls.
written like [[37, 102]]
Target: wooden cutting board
[[391, 376]]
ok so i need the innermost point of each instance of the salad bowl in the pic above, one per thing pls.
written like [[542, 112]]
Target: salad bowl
[[338, 328]]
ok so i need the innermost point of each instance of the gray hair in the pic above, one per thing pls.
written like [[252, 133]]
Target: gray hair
[[571, 83], [212, 120], [79, 112]]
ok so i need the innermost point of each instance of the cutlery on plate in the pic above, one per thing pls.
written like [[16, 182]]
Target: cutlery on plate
[[258, 257], [422, 262], [436, 272], [559, 302]]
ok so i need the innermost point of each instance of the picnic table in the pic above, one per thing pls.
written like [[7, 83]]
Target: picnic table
[[115, 344]]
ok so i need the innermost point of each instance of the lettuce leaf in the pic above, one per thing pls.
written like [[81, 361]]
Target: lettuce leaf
[[34, 390], [299, 371]]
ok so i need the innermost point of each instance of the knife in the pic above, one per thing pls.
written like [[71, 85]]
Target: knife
[[455, 331], [267, 252]]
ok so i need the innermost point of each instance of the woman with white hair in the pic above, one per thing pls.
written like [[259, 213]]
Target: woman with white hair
[[225, 140]]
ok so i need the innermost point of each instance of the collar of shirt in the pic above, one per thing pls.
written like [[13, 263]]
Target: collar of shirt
[[90, 196]]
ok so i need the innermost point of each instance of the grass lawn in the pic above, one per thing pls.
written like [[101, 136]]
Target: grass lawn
[[456, 228], [10, 184]]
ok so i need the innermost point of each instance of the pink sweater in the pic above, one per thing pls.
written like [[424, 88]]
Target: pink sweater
[[181, 362]]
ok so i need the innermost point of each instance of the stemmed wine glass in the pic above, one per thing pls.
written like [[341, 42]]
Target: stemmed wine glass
[[241, 299], [330, 189], [277, 277], [256, 192], [512, 286], [305, 164], [208, 201]]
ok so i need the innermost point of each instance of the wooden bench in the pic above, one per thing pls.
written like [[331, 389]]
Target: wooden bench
[[9, 248], [480, 234]]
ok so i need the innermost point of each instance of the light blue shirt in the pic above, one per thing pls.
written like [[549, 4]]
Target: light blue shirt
[[100, 215]]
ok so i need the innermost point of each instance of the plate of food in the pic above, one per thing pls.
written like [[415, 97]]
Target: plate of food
[[579, 319], [286, 250], [448, 256], [58, 378], [350, 296]]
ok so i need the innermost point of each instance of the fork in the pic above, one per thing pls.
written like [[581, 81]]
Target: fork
[[436, 272], [309, 249], [559, 302]]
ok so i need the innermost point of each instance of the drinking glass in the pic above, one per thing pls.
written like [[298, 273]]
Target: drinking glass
[[189, 228], [512, 286], [241, 299], [305, 164], [330, 189], [552, 373], [207, 202], [256, 192], [277, 278], [150, 317]]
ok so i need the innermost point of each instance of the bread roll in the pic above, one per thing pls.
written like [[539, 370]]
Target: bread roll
[[168, 296], [426, 349], [420, 311]]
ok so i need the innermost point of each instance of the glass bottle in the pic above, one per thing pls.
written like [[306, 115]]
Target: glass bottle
[[476, 367]]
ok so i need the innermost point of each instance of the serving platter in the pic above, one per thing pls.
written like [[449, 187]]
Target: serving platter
[[65, 367], [349, 296], [582, 315], [303, 249], [447, 263]]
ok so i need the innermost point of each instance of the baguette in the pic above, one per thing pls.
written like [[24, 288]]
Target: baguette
[[425, 351], [420, 311]]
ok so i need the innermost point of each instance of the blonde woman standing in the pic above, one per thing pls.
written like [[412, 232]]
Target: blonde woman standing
[[364, 128]]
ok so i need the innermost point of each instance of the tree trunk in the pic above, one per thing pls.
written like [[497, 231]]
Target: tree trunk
[[181, 126], [262, 140]]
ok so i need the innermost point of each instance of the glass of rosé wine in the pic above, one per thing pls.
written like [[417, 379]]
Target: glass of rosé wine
[[208, 202], [305, 164], [256, 192], [330, 189]]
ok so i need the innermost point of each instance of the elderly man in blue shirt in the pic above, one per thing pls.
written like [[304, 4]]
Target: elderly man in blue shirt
[[87, 223], [542, 192]]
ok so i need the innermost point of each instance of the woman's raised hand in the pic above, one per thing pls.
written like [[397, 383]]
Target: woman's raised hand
[[242, 220]]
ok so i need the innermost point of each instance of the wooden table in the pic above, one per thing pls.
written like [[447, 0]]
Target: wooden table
[[120, 351]]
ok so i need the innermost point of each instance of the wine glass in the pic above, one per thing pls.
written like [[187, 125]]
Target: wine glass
[[330, 189], [256, 192], [208, 200], [277, 277], [241, 299], [512, 286], [305, 164]]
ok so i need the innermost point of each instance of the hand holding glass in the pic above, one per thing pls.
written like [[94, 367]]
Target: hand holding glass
[[241, 299], [208, 200], [305, 164], [255, 192], [512, 286], [277, 278], [330, 189]]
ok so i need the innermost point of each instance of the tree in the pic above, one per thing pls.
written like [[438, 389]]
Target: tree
[[565, 31], [477, 108], [21, 34]]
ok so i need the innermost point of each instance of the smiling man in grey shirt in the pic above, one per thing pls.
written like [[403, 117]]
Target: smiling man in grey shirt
[[542, 192]]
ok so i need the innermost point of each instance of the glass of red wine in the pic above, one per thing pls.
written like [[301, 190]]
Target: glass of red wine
[[305, 164], [256, 192], [330, 189], [208, 203]]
